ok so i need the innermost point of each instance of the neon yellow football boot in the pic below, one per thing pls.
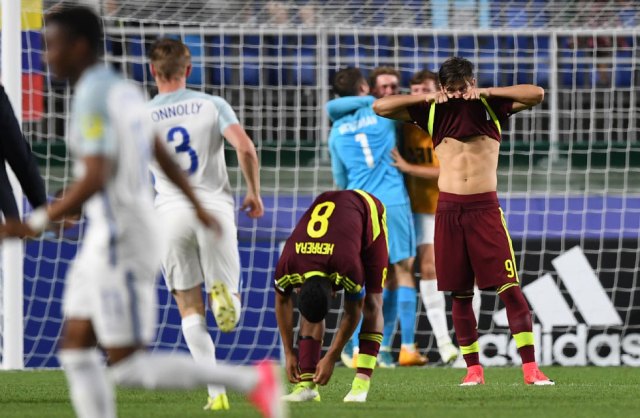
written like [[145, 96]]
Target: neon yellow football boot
[[219, 403]]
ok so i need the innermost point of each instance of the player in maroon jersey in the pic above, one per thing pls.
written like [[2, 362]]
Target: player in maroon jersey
[[471, 238], [339, 243]]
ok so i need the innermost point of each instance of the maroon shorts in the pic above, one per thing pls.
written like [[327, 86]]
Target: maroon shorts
[[472, 243]]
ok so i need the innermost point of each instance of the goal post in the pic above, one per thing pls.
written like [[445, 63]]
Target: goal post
[[12, 331]]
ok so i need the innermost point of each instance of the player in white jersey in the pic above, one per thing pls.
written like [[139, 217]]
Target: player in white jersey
[[194, 126], [109, 292]]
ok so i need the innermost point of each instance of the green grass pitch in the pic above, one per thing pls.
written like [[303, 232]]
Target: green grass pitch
[[407, 392]]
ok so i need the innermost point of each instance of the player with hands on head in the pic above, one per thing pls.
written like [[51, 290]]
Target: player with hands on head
[[472, 242], [339, 243], [422, 168], [194, 126], [109, 298]]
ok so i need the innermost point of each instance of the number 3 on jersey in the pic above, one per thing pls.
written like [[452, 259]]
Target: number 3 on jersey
[[183, 146], [319, 223]]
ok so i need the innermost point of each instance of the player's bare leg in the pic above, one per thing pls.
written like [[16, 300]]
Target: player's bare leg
[[390, 318], [309, 350], [370, 339], [92, 394], [194, 328], [466, 327], [435, 305], [407, 307], [519, 316]]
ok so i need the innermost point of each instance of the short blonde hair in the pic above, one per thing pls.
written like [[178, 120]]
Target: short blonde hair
[[170, 57]]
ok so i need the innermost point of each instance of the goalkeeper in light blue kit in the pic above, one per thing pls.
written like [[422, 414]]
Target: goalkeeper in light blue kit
[[360, 144]]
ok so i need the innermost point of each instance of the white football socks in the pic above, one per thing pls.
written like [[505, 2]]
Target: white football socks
[[435, 306], [194, 329], [179, 371], [92, 394]]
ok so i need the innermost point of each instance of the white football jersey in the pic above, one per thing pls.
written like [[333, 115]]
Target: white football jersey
[[191, 124], [108, 118]]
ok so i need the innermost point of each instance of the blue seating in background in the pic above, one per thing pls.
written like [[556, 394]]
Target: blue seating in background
[[250, 69], [624, 68], [291, 60], [136, 49], [196, 47], [304, 68], [220, 73], [486, 72]]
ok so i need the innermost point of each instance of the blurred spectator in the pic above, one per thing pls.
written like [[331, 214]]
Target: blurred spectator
[[460, 13], [307, 13], [384, 81], [278, 12]]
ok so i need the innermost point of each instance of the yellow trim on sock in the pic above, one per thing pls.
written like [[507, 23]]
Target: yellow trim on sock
[[523, 339], [375, 337], [506, 286], [470, 349], [463, 296], [306, 376], [365, 361]]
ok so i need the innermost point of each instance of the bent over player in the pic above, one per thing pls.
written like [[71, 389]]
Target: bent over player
[[193, 124], [110, 290], [471, 237], [339, 243]]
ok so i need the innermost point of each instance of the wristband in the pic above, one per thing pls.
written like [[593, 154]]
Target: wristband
[[39, 220]]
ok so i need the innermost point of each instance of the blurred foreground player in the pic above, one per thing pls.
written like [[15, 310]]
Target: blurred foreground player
[[339, 243], [110, 290], [471, 237]]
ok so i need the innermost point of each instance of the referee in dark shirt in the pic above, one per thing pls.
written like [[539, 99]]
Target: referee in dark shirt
[[15, 150]]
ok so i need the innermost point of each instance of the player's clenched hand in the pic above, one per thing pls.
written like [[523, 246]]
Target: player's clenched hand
[[437, 97], [15, 229], [209, 220], [324, 370], [291, 366], [253, 205], [398, 161], [474, 93]]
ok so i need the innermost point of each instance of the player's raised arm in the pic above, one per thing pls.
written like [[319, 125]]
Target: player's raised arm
[[342, 106], [248, 160], [395, 107], [524, 96], [178, 178]]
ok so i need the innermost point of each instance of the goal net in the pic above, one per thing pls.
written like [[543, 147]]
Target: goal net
[[568, 171]]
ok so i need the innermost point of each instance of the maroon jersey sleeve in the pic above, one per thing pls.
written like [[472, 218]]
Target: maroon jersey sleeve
[[501, 106], [420, 114]]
